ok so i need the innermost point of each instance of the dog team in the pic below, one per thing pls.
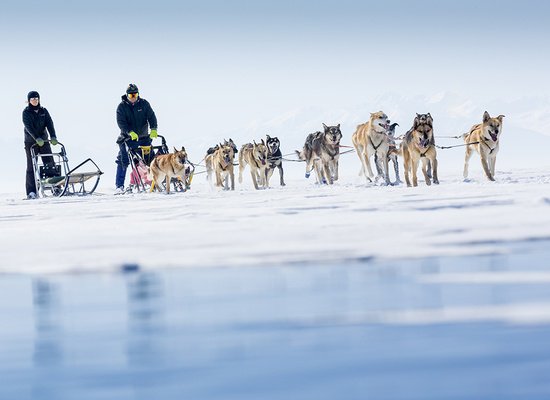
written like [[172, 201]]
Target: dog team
[[374, 139]]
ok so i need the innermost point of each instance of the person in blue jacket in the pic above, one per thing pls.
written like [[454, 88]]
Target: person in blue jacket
[[134, 116], [37, 125]]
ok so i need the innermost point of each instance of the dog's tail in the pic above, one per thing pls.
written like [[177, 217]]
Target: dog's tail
[[150, 175], [398, 150]]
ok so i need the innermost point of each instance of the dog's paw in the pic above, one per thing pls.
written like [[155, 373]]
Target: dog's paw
[[307, 174]]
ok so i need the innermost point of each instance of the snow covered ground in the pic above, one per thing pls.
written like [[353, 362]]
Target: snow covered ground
[[299, 223]]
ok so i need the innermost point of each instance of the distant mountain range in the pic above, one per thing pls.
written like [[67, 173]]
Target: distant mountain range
[[526, 126]]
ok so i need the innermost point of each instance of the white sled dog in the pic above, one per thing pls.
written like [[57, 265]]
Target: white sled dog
[[370, 139]]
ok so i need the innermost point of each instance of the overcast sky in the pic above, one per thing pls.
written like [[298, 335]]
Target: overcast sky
[[213, 65]]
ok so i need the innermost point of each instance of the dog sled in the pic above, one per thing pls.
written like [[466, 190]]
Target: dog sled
[[54, 177], [140, 161]]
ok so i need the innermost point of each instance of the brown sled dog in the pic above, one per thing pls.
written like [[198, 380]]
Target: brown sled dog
[[370, 139], [168, 166], [209, 158], [417, 145], [255, 155], [484, 139], [220, 162]]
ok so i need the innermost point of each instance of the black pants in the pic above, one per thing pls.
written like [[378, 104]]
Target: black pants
[[30, 183]]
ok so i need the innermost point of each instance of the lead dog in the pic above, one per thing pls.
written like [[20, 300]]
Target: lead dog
[[168, 166], [255, 155], [484, 139], [370, 139], [275, 159], [220, 163], [417, 145], [321, 152]]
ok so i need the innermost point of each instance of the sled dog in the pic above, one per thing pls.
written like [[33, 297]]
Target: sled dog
[[209, 158], [255, 155], [274, 157], [417, 145], [168, 166], [321, 152], [220, 163], [392, 154], [370, 139], [484, 138]]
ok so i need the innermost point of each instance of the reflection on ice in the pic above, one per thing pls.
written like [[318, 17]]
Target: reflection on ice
[[454, 327]]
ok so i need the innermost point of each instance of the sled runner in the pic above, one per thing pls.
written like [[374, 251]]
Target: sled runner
[[55, 179]]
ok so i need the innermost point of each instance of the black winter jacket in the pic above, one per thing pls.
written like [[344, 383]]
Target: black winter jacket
[[38, 124], [135, 117]]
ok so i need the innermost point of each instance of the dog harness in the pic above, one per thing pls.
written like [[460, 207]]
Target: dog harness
[[372, 144], [489, 147]]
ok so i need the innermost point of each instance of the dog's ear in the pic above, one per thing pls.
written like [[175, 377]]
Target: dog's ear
[[338, 126], [267, 137], [263, 142], [486, 116], [430, 119], [325, 127], [230, 140], [500, 117], [175, 150], [182, 148], [255, 144]]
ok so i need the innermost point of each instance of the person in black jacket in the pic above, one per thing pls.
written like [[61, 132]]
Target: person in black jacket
[[38, 124], [134, 117]]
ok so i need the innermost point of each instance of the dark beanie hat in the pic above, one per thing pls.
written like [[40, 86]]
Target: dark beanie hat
[[32, 94], [132, 88]]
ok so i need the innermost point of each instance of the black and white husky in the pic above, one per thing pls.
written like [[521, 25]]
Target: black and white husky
[[275, 158]]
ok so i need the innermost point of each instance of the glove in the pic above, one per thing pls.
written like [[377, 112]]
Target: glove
[[154, 134], [53, 141], [133, 135], [39, 142]]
